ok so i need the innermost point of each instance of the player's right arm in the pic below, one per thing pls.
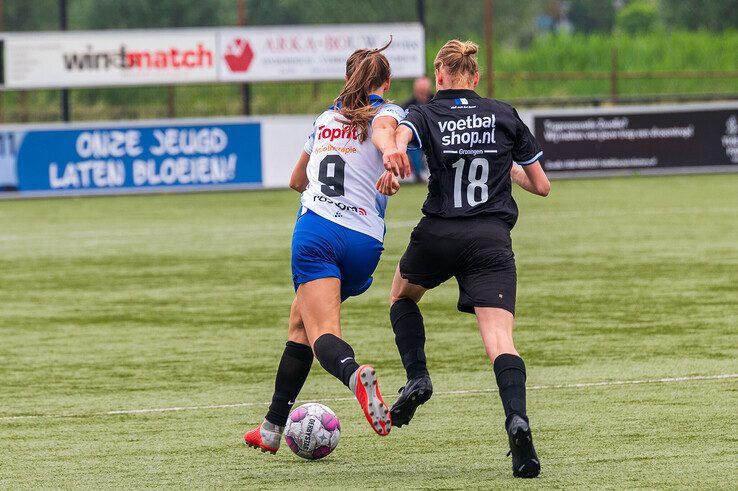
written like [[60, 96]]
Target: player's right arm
[[406, 135], [299, 178], [403, 137], [383, 137], [395, 159]]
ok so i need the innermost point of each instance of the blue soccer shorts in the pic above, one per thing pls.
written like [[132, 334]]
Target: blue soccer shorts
[[324, 249]]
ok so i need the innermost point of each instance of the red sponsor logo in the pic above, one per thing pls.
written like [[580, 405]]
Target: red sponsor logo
[[238, 55], [362, 212], [127, 59], [346, 131]]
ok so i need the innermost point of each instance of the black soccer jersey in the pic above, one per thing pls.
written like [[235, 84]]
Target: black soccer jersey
[[470, 143]]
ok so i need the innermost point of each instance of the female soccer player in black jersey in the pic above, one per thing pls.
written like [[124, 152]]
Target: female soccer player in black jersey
[[470, 143]]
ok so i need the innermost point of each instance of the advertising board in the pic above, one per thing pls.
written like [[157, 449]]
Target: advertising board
[[315, 52], [109, 58], [639, 138], [108, 158], [207, 55]]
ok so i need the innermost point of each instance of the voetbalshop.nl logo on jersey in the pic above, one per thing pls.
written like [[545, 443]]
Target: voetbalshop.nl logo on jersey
[[470, 131]]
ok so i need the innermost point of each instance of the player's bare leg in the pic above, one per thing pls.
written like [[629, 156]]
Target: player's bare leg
[[496, 328], [293, 370], [320, 306], [407, 324]]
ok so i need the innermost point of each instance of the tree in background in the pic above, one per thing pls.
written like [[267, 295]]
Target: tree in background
[[120, 14], [638, 16], [715, 15], [592, 15], [35, 15], [514, 19]]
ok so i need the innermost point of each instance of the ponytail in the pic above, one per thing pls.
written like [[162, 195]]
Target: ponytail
[[459, 59], [366, 70]]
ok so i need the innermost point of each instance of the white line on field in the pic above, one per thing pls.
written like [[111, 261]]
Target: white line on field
[[666, 380], [98, 237]]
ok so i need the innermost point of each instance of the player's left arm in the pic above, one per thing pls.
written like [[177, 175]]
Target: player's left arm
[[532, 178], [383, 133], [383, 137], [526, 151], [299, 178]]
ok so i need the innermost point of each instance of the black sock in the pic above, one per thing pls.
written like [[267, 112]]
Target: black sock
[[510, 374], [293, 370], [407, 322], [336, 356]]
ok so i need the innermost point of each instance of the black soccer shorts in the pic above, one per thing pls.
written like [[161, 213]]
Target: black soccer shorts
[[476, 250]]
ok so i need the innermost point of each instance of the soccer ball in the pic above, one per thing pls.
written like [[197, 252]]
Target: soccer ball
[[312, 431]]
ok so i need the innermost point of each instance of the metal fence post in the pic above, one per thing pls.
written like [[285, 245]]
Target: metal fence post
[[245, 88], [2, 28], [614, 74], [63, 25], [171, 102], [488, 47]]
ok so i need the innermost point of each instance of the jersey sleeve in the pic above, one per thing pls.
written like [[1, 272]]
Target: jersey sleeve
[[308, 148], [415, 121], [391, 110], [526, 149]]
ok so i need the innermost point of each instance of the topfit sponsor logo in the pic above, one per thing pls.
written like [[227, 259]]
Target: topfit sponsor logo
[[126, 59], [469, 131], [340, 206], [345, 131]]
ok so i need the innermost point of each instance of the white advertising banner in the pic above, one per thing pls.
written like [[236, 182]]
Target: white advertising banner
[[183, 56], [319, 52], [110, 58]]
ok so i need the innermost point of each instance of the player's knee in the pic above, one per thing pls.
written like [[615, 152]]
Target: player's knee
[[296, 330], [498, 344], [296, 324], [298, 335], [413, 294]]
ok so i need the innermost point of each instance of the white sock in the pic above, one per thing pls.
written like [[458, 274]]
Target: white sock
[[272, 427]]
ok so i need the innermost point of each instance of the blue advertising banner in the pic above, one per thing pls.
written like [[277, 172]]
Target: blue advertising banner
[[140, 157]]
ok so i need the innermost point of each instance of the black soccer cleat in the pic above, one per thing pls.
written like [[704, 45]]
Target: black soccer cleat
[[525, 461], [412, 395]]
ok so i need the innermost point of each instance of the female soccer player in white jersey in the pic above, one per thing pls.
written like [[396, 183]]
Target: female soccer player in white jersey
[[471, 144], [337, 241]]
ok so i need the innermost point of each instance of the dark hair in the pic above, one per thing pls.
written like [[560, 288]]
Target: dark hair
[[366, 70]]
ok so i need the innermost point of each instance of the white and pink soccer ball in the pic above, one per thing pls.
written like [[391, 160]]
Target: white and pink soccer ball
[[312, 431]]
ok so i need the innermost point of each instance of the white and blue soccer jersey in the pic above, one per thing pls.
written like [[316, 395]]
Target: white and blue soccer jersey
[[343, 172]]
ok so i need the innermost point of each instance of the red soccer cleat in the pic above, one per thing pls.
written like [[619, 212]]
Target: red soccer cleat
[[366, 390], [261, 438]]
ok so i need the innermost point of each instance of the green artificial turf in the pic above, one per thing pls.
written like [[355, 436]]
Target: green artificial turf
[[146, 302]]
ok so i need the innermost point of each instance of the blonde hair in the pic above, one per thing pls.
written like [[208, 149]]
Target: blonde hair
[[366, 70], [459, 59]]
